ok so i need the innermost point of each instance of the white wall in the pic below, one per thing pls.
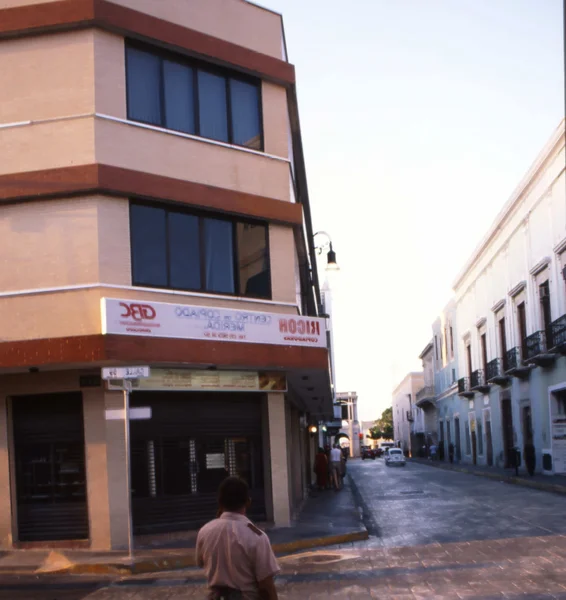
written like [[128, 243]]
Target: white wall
[[516, 243]]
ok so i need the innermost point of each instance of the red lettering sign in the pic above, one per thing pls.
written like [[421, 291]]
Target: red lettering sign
[[138, 312], [283, 326]]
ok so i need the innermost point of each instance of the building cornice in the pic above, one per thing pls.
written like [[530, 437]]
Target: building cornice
[[540, 266], [515, 291], [428, 348], [554, 144], [498, 305], [481, 322], [69, 15]]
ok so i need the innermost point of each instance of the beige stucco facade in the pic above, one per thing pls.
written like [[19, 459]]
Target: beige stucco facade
[[65, 243]]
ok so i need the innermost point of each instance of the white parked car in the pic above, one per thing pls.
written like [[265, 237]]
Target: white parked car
[[395, 456]]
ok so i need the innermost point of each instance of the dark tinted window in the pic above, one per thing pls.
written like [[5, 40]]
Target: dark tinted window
[[177, 93], [143, 74], [244, 104], [148, 238], [179, 97], [254, 275], [177, 249], [219, 261], [184, 251], [212, 105]]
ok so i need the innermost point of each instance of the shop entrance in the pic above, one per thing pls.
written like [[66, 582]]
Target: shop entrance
[[190, 445], [50, 467]]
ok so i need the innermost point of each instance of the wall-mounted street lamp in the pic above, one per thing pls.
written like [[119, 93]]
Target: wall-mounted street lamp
[[331, 264], [313, 429]]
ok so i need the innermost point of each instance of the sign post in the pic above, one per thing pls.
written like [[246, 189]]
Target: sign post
[[127, 374]]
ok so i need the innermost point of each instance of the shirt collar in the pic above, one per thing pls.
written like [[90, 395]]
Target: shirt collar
[[232, 516]]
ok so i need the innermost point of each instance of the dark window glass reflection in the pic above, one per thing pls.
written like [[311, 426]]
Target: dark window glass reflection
[[244, 104], [184, 251], [253, 264], [179, 97], [148, 238], [143, 75], [219, 256], [212, 106]]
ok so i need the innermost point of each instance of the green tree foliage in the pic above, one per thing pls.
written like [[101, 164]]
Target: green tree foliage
[[383, 428]]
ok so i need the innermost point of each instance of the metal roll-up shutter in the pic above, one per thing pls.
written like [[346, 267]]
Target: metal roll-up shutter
[[181, 455], [50, 467]]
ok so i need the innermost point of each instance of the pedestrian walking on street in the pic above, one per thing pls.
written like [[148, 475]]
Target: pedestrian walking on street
[[321, 469], [237, 556], [433, 452], [336, 459]]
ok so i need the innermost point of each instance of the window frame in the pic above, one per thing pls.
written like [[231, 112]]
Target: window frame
[[201, 216], [196, 65]]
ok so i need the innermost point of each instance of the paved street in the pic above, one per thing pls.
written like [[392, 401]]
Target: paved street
[[434, 534]]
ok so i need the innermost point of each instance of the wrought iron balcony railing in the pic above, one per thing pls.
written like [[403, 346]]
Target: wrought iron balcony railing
[[464, 387], [476, 379], [427, 392], [495, 371], [513, 359], [558, 333], [535, 345]]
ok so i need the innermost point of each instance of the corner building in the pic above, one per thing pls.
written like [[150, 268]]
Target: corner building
[[153, 211]]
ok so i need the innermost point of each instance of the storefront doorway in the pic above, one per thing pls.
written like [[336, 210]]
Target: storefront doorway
[[507, 428], [50, 467], [192, 442]]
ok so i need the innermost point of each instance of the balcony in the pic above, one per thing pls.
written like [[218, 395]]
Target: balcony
[[464, 388], [410, 416], [558, 333], [495, 372], [425, 395], [514, 364], [478, 382], [536, 349]]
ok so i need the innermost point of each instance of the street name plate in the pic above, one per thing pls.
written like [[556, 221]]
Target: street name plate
[[136, 414], [125, 373]]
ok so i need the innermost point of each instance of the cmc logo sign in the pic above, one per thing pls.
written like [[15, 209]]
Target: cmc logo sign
[[300, 326], [138, 312]]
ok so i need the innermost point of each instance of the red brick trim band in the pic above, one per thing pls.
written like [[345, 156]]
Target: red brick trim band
[[115, 181], [64, 15], [127, 349]]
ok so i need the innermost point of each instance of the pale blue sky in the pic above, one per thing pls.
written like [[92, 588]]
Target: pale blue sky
[[419, 118]]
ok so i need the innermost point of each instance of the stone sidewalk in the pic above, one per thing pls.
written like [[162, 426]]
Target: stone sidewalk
[[327, 518], [547, 483]]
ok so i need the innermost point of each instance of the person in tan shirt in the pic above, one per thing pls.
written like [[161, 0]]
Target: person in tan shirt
[[236, 556]]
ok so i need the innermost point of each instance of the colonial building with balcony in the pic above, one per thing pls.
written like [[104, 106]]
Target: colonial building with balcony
[[153, 212], [406, 416], [424, 427], [511, 325]]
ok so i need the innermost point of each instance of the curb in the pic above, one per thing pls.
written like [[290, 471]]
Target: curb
[[171, 563], [537, 485]]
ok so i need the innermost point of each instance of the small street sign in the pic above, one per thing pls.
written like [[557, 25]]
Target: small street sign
[[138, 413], [125, 373]]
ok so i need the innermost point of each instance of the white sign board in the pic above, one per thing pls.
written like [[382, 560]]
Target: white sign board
[[143, 412], [158, 319], [125, 373]]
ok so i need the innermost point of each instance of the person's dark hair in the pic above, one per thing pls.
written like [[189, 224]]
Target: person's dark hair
[[321, 450], [233, 494]]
